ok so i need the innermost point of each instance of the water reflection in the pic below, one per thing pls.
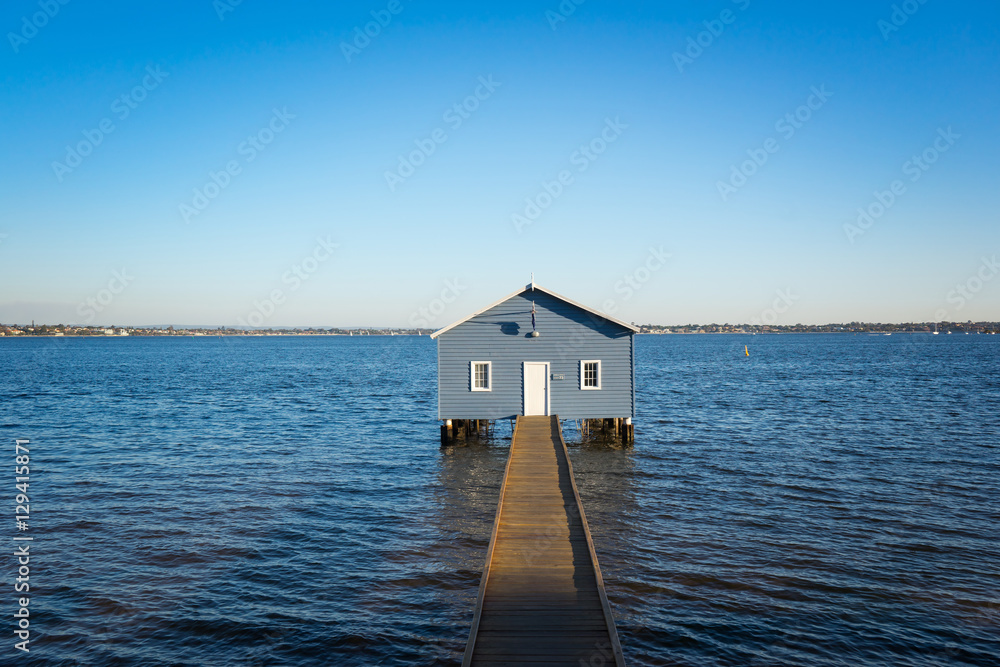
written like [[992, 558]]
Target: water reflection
[[465, 499], [829, 500]]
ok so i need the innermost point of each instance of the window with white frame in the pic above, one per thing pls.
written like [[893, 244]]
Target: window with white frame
[[590, 374], [482, 375]]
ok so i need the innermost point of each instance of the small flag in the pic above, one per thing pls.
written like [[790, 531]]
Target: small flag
[[532, 315]]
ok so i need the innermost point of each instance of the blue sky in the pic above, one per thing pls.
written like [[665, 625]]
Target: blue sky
[[714, 157]]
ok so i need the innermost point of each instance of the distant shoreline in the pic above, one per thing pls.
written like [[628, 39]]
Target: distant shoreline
[[418, 335], [91, 331]]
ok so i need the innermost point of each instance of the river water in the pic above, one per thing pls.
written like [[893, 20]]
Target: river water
[[830, 500]]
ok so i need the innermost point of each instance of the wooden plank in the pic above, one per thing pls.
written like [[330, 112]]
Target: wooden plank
[[605, 605], [466, 661], [533, 645], [528, 618], [523, 585], [515, 626], [574, 649], [541, 602], [553, 533], [541, 599], [517, 542], [552, 638]]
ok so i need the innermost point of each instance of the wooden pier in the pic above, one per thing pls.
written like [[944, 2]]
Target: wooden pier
[[541, 599]]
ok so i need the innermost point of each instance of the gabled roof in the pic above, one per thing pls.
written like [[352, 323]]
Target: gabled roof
[[533, 287]]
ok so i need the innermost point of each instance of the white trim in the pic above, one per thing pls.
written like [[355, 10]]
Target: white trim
[[489, 376], [599, 369], [529, 288], [548, 385]]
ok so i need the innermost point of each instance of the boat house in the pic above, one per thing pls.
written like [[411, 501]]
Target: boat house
[[535, 352]]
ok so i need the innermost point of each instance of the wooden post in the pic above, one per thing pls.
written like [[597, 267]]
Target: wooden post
[[447, 433], [453, 430]]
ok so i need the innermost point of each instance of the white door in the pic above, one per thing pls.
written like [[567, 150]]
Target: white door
[[536, 388]]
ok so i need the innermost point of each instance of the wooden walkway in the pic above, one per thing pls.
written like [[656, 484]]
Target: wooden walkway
[[541, 599]]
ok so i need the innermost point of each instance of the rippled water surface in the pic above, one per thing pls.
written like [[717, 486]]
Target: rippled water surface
[[830, 500]]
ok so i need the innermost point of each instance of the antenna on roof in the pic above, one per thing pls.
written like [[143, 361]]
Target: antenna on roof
[[532, 284]]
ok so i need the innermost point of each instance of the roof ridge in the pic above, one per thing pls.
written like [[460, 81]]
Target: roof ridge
[[530, 288]]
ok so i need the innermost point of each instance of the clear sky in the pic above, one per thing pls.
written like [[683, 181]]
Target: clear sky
[[670, 162]]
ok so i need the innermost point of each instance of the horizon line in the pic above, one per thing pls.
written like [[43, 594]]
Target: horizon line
[[406, 328]]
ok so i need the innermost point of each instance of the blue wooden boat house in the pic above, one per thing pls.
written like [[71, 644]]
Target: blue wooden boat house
[[535, 352]]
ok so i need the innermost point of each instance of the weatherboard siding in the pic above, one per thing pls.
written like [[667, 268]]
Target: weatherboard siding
[[568, 335]]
